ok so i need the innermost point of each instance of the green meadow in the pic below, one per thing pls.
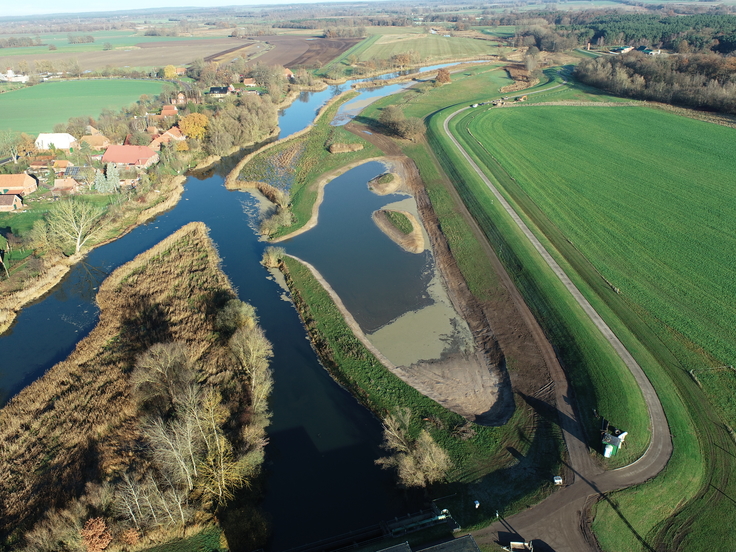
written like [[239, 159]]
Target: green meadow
[[637, 200], [36, 109]]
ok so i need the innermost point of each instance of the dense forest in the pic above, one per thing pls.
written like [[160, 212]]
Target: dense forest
[[706, 81]]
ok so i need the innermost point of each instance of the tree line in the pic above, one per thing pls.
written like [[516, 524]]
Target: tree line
[[704, 81]]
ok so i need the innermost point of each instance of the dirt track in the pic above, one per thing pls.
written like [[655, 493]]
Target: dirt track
[[559, 521]]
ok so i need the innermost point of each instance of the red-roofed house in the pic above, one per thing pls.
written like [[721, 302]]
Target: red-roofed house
[[169, 111], [288, 73], [61, 165], [171, 135], [249, 82], [17, 184], [131, 156], [10, 202]]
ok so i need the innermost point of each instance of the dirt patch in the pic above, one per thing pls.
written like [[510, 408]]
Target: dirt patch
[[344, 148], [173, 52], [503, 328], [396, 185], [412, 242], [292, 51]]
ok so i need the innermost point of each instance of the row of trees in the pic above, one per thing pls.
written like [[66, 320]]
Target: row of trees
[[344, 32], [80, 39], [19, 42], [701, 80]]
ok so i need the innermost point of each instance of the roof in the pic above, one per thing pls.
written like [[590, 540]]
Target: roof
[[13, 180], [95, 140], [55, 138], [64, 183], [462, 544], [169, 108], [219, 90], [249, 82], [8, 199], [611, 440], [79, 172], [129, 155], [403, 547], [62, 164]]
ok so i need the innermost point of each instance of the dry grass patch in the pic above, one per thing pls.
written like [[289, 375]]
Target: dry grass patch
[[79, 425]]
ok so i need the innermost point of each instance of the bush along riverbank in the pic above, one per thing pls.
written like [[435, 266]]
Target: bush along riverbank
[[294, 166], [156, 420], [428, 445]]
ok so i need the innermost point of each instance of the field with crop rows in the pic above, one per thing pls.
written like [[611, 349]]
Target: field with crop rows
[[38, 108], [684, 504], [646, 195], [429, 47]]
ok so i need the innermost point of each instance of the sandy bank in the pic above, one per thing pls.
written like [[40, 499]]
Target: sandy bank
[[413, 242]]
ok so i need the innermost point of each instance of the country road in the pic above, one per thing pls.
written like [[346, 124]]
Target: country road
[[558, 521]]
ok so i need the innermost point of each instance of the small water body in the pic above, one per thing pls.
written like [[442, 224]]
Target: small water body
[[376, 279], [321, 476]]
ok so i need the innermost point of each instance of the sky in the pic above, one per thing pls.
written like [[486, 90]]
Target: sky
[[38, 7]]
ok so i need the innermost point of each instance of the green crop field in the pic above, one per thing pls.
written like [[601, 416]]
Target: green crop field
[[686, 502], [118, 39], [429, 47], [646, 195], [38, 108]]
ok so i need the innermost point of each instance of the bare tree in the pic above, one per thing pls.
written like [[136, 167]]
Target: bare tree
[[170, 452], [74, 222], [9, 144], [418, 462], [253, 352], [163, 374]]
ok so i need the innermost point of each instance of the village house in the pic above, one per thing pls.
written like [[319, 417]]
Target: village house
[[17, 184], [97, 142], [41, 162], [179, 99], [288, 73], [65, 185], [221, 91], [61, 165], [171, 135], [169, 111], [249, 82], [10, 203], [140, 157], [59, 140]]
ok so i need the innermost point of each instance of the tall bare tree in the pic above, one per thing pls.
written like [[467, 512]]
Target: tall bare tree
[[74, 222]]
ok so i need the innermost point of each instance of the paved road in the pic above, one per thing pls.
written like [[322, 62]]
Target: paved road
[[558, 521]]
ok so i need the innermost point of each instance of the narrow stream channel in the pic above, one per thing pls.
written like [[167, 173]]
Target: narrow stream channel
[[321, 476]]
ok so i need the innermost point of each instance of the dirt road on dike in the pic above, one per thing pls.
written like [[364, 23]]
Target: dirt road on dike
[[560, 522]]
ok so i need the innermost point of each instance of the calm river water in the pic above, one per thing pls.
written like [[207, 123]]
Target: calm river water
[[321, 476]]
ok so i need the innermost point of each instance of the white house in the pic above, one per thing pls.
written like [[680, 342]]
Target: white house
[[10, 76], [60, 140]]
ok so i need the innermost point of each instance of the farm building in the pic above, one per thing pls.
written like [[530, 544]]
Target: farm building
[[59, 140], [289, 74], [10, 76], [65, 185], [10, 202], [169, 111], [131, 156], [61, 165], [17, 184], [97, 142]]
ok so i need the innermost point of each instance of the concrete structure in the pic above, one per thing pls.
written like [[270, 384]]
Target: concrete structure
[[59, 140], [17, 184], [10, 76]]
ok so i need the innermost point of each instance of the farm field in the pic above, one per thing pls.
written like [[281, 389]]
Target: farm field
[[703, 448], [154, 53], [429, 47], [38, 108], [657, 222]]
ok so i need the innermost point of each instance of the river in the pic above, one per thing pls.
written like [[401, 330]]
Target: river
[[321, 479]]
